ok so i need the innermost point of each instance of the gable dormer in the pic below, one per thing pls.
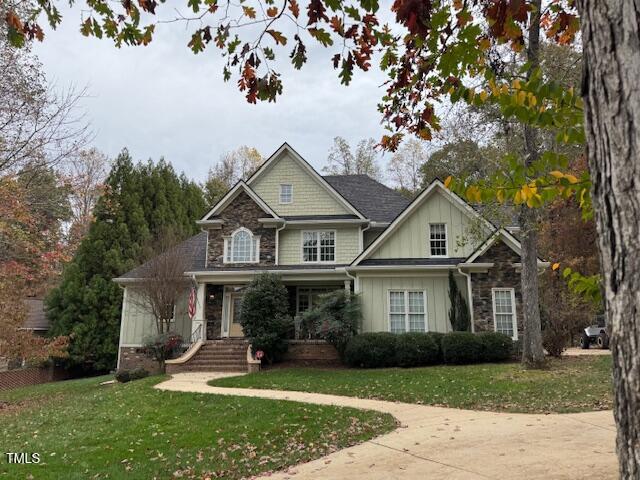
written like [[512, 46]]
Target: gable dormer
[[436, 225], [241, 230], [291, 187]]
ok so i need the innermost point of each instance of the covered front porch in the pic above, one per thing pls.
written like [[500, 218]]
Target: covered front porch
[[219, 299]]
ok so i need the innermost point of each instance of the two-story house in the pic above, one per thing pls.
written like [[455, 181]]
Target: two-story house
[[322, 233]]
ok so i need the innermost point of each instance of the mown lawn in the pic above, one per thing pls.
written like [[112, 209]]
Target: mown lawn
[[572, 384], [84, 430]]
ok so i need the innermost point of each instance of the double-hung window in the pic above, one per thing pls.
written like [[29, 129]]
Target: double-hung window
[[438, 240], [504, 311], [242, 247], [407, 311], [319, 246], [286, 193]]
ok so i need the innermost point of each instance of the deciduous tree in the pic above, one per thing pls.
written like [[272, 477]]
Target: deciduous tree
[[238, 164], [38, 126], [85, 173], [364, 161], [30, 254], [406, 166]]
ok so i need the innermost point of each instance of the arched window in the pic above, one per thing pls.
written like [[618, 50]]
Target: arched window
[[242, 247]]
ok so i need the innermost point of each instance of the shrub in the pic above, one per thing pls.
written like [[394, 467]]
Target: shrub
[[416, 350], [138, 373], [123, 376], [461, 347], [336, 318], [264, 316], [162, 347], [371, 350], [437, 337], [496, 347]]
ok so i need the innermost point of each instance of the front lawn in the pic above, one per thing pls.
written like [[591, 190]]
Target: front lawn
[[84, 430], [572, 384]]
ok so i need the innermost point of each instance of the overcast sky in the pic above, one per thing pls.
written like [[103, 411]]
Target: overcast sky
[[162, 100]]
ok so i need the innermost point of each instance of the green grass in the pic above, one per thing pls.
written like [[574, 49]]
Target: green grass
[[84, 430], [572, 384]]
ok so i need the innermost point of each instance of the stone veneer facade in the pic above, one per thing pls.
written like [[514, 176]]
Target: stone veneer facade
[[502, 275], [213, 311], [241, 212]]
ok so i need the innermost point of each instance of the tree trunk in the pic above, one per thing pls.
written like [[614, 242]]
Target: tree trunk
[[610, 35], [532, 351]]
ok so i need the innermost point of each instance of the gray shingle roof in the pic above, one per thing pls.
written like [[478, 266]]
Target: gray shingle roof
[[374, 200], [320, 217], [194, 250]]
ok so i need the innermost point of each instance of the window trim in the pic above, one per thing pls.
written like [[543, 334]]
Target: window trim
[[280, 196], [228, 247], [446, 241], [335, 246], [406, 302], [514, 314], [310, 290]]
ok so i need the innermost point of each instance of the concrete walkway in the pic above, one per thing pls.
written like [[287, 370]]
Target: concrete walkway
[[435, 443]]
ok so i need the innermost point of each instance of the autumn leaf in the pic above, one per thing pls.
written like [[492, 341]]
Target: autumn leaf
[[249, 11], [278, 37], [321, 35], [272, 11], [447, 181], [555, 266], [294, 8]]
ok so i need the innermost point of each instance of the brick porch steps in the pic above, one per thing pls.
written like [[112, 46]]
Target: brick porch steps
[[227, 355]]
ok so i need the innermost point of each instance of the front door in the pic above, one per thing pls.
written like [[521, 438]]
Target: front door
[[235, 329]]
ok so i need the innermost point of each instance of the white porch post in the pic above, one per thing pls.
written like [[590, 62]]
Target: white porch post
[[199, 319], [347, 286]]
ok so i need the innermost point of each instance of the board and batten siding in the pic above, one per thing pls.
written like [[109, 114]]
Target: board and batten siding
[[290, 244], [374, 295], [138, 323], [411, 238], [309, 197]]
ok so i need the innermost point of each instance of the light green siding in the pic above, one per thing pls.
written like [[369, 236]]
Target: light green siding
[[138, 323], [290, 244], [411, 238], [309, 197], [374, 294]]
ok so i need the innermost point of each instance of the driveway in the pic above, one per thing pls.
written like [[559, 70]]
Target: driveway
[[436, 443]]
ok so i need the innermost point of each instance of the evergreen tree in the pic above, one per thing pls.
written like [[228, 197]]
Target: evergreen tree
[[140, 200], [458, 311]]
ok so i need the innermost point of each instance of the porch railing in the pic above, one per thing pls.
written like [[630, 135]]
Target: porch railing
[[196, 336]]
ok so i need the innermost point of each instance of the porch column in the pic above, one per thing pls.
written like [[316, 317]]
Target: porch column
[[347, 286], [199, 320]]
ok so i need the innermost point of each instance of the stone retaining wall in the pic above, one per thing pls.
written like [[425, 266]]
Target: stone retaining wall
[[133, 357]]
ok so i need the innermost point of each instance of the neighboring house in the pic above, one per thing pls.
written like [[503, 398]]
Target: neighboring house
[[36, 320], [322, 233]]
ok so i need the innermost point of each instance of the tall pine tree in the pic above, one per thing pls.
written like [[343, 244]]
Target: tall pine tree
[[140, 201]]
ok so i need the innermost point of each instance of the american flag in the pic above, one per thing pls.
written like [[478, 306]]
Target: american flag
[[192, 302]]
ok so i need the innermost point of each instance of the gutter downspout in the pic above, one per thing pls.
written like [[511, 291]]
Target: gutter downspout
[[278, 241], [469, 297], [355, 280], [362, 230]]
